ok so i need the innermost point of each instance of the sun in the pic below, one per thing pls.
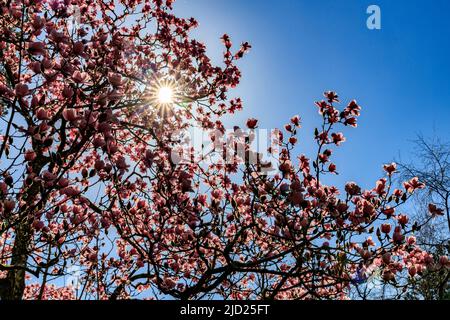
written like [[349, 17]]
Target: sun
[[165, 95]]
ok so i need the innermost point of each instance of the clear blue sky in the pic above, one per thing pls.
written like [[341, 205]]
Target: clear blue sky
[[399, 74]]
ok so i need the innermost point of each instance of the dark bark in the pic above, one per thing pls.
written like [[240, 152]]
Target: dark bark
[[14, 286]]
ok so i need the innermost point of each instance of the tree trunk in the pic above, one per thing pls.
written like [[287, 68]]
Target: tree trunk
[[16, 277], [14, 286]]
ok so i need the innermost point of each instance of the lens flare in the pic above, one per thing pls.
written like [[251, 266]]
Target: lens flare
[[165, 95]]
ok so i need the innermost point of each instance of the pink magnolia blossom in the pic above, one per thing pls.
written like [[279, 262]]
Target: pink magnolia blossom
[[252, 123], [21, 89]]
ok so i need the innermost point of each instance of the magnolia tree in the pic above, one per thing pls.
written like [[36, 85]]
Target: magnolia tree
[[96, 99]]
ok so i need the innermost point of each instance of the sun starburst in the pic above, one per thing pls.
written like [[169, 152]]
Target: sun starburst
[[165, 95]]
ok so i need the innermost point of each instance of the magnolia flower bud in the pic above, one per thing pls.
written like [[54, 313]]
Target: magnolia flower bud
[[63, 182], [386, 258], [385, 228], [21, 89], [42, 114], [412, 271], [443, 260], [67, 93], [29, 155], [98, 142], [9, 205], [252, 123]]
